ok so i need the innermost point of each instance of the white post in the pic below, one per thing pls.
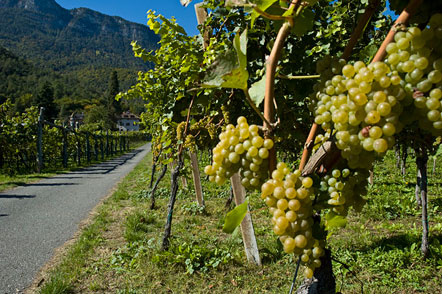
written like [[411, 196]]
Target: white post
[[196, 179], [248, 233]]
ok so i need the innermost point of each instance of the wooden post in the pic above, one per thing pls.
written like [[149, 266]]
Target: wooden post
[[40, 141], [102, 146], [65, 148], [78, 150], [120, 142], [96, 147], [196, 179], [247, 230], [88, 148], [184, 182], [107, 142], [201, 15]]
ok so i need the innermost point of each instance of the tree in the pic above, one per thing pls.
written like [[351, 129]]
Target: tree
[[114, 105], [99, 114], [45, 98]]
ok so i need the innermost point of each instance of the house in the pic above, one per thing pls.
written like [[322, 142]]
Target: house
[[128, 122]]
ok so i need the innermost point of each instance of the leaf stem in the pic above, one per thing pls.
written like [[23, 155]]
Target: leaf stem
[[271, 16], [298, 77], [253, 105]]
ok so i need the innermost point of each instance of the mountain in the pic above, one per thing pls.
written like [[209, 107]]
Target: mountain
[[61, 39], [75, 50]]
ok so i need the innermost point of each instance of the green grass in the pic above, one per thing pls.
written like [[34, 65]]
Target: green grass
[[379, 249]]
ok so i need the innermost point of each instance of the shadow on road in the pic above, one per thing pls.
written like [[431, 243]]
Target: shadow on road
[[9, 196], [48, 184], [3, 215], [108, 166]]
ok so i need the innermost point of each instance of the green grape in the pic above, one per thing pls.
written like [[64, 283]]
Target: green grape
[[380, 145], [432, 103], [436, 93]]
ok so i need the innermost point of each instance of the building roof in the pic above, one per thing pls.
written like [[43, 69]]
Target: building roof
[[129, 115]]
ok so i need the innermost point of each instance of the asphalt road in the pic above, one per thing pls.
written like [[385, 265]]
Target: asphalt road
[[37, 218]]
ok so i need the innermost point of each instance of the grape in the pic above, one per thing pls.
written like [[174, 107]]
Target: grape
[[288, 196], [242, 150], [420, 66]]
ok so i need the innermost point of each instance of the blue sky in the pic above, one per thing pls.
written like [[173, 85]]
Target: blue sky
[[135, 10]]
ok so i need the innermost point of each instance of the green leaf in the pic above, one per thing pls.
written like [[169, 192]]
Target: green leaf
[[304, 22], [263, 5], [257, 91], [333, 220], [234, 217], [225, 72], [240, 45]]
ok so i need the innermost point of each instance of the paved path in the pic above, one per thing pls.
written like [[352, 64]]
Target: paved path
[[37, 218]]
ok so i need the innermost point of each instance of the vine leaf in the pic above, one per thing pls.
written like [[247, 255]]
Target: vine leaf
[[240, 45], [230, 70], [304, 22], [234, 217], [262, 5], [333, 220], [257, 91]]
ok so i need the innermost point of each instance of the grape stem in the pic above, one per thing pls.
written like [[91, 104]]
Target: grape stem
[[360, 27], [253, 105]]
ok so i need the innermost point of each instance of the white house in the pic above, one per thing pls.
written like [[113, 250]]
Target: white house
[[128, 122]]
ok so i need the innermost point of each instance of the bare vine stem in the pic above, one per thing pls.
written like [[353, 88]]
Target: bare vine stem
[[272, 63], [253, 105]]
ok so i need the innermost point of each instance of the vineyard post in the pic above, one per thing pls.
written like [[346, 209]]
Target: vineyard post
[[65, 147], [88, 148], [101, 145], [196, 179], [107, 142], [111, 144], [40, 140], [78, 146], [201, 16], [96, 147], [247, 230]]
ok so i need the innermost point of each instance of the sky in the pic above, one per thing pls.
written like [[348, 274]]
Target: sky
[[135, 10]]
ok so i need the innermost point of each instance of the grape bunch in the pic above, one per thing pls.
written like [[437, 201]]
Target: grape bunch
[[361, 109], [343, 188], [242, 149], [288, 196], [416, 56]]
